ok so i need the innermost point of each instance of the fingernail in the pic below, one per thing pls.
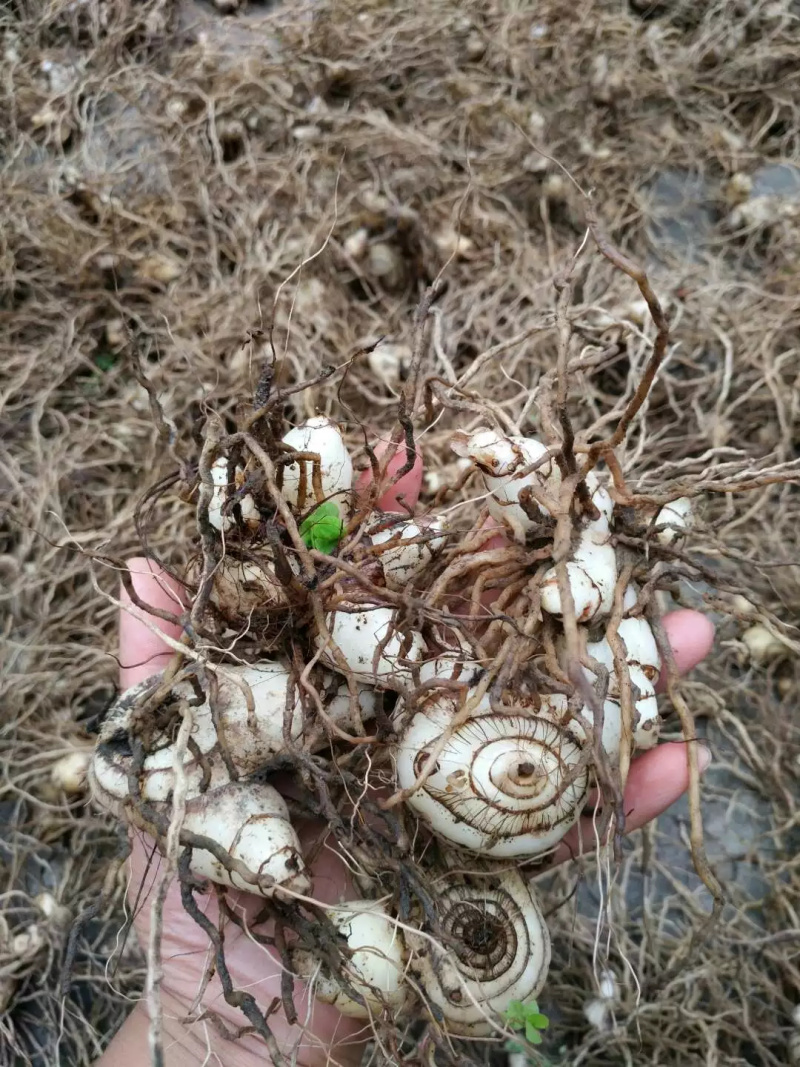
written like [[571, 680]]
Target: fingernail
[[703, 758]]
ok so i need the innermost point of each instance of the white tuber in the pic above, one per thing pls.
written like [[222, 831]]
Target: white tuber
[[599, 1010], [250, 821], [374, 968], [451, 666], [495, 949], [54, 912], [241, 587], [505, 785], [373, 649], [453, 660], [452, 243], [249, 738], [503, 461], [320, 436], [26, 944], [673, 520], [762, 645], [390, 363], [385, 263], [647, 721], [401, 560], [644, 666], [69, 772], [640, 644], [222, 493], [356, 243], [592, 571], [742, 605]]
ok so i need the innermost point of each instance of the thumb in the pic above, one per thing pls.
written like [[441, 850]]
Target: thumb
[[402, 496], [141, 651]]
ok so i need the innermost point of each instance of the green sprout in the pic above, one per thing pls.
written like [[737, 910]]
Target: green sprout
[[526, 1016], [105, 360], [323, 528]]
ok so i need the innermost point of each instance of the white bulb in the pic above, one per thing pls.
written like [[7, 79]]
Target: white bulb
[[242, 586], [250, 821], [251, 739], [222, 493], [504, 784], [647, 721], [673, 520], [321, 436], [502, 460], [401, 561], [598, 1013], [592, 571], [644, 665], [355, 245], [390, 363], [454, 660], [69, 772], [374, 968], [359, 634], [762, 645], [494, 949]]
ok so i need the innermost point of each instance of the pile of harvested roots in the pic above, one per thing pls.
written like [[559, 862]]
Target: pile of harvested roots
[[445, 692]]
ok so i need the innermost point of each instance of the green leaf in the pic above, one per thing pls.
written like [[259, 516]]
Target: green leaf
[[323, 528], [532, 1034], [515, 1014], [541, 1022], [105, 360]]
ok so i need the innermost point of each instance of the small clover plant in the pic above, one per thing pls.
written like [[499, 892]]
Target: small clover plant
[[526, 1016], [323, 528]]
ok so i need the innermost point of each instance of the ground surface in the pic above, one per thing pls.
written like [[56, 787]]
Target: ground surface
[[166, 168]]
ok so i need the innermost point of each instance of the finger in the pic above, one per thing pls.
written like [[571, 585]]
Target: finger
[[691, 635], [401, 497], [142, 652], [657, 779], [494, 535]]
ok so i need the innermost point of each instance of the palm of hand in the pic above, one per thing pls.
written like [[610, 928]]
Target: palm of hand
[[187, 958]]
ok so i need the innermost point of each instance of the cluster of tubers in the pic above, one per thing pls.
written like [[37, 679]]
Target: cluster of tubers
[[486, 776]]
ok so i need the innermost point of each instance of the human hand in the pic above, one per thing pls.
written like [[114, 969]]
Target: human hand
[[656, 779]]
